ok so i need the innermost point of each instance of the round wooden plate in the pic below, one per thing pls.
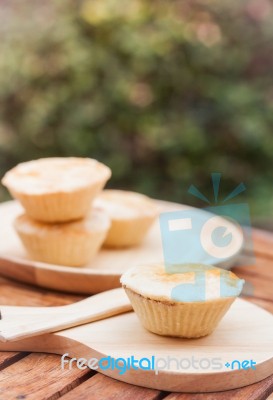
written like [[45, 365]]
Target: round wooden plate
[[103, 272], [195, 365]]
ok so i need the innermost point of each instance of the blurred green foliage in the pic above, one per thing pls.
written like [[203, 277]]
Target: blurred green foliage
[[164, 92]]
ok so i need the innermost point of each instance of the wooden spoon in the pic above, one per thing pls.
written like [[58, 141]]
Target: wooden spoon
[[21, 322]]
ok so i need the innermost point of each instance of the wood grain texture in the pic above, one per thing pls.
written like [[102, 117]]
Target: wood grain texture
[[38, 376], [16, 294], [262, 267], [245, 332], [257, 391], [262, 287], [263, 243], [260, 277], [266, 304], [102, 387], [10, 357]]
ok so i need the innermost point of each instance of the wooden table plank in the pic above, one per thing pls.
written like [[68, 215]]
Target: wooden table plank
[[267, 305], [263, 242], [257, 391], [10, 357], [39, 376], [262, 287], [260, 276], [262, 267], [15, 293], [102, 387]]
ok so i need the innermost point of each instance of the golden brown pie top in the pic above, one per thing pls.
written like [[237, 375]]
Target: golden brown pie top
[[57, 174]]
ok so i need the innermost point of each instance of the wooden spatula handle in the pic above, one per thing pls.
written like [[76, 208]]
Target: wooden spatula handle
[[22, 322]]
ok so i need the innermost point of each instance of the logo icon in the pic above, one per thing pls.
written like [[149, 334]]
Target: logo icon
[[214, 235]]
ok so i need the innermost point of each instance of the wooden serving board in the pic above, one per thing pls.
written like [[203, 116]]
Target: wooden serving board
[[245, 333], [103, 272]]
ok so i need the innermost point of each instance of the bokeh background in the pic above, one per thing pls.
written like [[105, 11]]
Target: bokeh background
[[163, 92]]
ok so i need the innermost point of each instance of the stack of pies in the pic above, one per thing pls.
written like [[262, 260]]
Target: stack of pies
[[67, 215]]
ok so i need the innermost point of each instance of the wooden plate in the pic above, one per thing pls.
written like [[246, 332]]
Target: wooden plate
[[244, 334], [103, 273]]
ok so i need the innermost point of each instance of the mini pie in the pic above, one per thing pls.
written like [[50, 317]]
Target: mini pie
[[165, 306], [131, 214], [68, 243], [57, 189]]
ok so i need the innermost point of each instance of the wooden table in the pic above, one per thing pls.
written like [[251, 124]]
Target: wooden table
[[39, 376]]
